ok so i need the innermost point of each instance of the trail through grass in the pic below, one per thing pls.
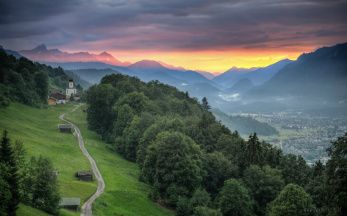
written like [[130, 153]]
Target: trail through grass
[[124, 194]]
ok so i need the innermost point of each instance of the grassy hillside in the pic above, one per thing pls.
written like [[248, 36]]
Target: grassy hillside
[[37, 128], [124, 194], [30, 211]]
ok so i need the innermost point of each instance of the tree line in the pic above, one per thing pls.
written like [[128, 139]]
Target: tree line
[[198, 166], [33, 182]]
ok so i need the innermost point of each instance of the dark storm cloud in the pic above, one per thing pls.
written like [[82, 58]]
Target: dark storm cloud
[[13, 11], [176, 24]]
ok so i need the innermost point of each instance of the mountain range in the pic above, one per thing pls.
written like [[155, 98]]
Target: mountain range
[[42, 54], [315, 79], [256, 75]]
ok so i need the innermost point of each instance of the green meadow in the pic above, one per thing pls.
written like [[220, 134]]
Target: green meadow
[[124, 194], [37, 129]]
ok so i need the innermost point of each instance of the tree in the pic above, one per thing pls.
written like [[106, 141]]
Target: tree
[[264, 184], [41, 81], [133, 133], [197, 205], [253, 151], [205, 104], [200, 198], [234, 199], [137, 101], [124, 116], [45, 189], [165, 123], [295, 170], [206, 211], [292, 200], [337, 174], [217, 169], [100, 113], [5, 193], [173, 166], [7, 158]]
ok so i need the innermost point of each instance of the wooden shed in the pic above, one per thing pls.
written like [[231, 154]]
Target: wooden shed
[[72, 203], [65, 128], [84, 175]]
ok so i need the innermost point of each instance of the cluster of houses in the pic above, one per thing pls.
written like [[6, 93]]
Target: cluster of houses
[[60, 98]]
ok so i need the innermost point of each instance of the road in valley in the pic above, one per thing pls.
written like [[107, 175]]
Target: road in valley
[[86, 209]]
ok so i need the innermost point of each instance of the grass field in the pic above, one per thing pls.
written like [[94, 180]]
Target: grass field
[[124, 194], [37, 128]]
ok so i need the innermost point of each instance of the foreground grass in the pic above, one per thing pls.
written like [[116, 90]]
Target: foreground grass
[[124, 194], [29, 211], [37, 128]]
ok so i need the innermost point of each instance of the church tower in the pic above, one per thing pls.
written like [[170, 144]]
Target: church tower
[[71, 90], [70, 84]]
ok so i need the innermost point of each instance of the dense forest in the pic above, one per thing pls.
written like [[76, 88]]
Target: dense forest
[[199, 167], [27, 82]]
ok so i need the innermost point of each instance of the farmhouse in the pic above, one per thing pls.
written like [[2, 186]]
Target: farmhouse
[[72, 203], [56, 98], [84, 175], [65, 128]]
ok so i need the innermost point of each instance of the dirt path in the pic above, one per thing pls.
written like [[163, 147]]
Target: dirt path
[[86, 209]]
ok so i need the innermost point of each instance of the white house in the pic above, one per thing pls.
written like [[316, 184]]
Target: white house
[[71, 90]]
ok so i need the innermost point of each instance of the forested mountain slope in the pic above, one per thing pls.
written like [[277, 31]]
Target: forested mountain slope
[[194, 163]]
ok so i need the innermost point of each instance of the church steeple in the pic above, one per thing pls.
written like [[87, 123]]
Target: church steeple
[[71, 84]]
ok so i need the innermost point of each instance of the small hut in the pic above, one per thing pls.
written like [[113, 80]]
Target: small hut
[[72, 203], [65, 128], [84, 175]]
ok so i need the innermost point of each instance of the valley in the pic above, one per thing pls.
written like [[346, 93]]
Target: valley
[[302, 134]]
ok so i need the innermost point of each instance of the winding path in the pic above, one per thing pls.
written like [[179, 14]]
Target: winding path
[[86, 209]]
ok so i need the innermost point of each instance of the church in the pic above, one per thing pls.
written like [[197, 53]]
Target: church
[[70, 90]]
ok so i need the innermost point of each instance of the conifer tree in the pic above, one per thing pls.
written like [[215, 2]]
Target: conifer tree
[[205, 104], [7, 157]]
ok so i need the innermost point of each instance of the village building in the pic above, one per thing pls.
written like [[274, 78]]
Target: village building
[[71, 91], [52, 101], [84, 175], [56, 98], [72, 203], [65, 128]]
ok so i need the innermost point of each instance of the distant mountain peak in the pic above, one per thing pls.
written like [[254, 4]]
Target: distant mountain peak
[[39, 48], [147, 64], [106, 54]]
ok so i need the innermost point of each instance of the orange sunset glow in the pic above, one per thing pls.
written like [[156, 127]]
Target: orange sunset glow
[[212, 61]]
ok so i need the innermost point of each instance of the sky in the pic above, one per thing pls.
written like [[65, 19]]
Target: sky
[[208, 35]]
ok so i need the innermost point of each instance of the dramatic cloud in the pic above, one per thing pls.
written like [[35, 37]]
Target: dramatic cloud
[[173, 25]]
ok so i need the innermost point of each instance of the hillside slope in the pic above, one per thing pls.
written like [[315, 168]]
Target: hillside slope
[[41, 137], [124, 194], [320, 74]]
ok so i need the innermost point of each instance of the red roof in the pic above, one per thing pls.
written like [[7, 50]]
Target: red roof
[[58, 96]]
